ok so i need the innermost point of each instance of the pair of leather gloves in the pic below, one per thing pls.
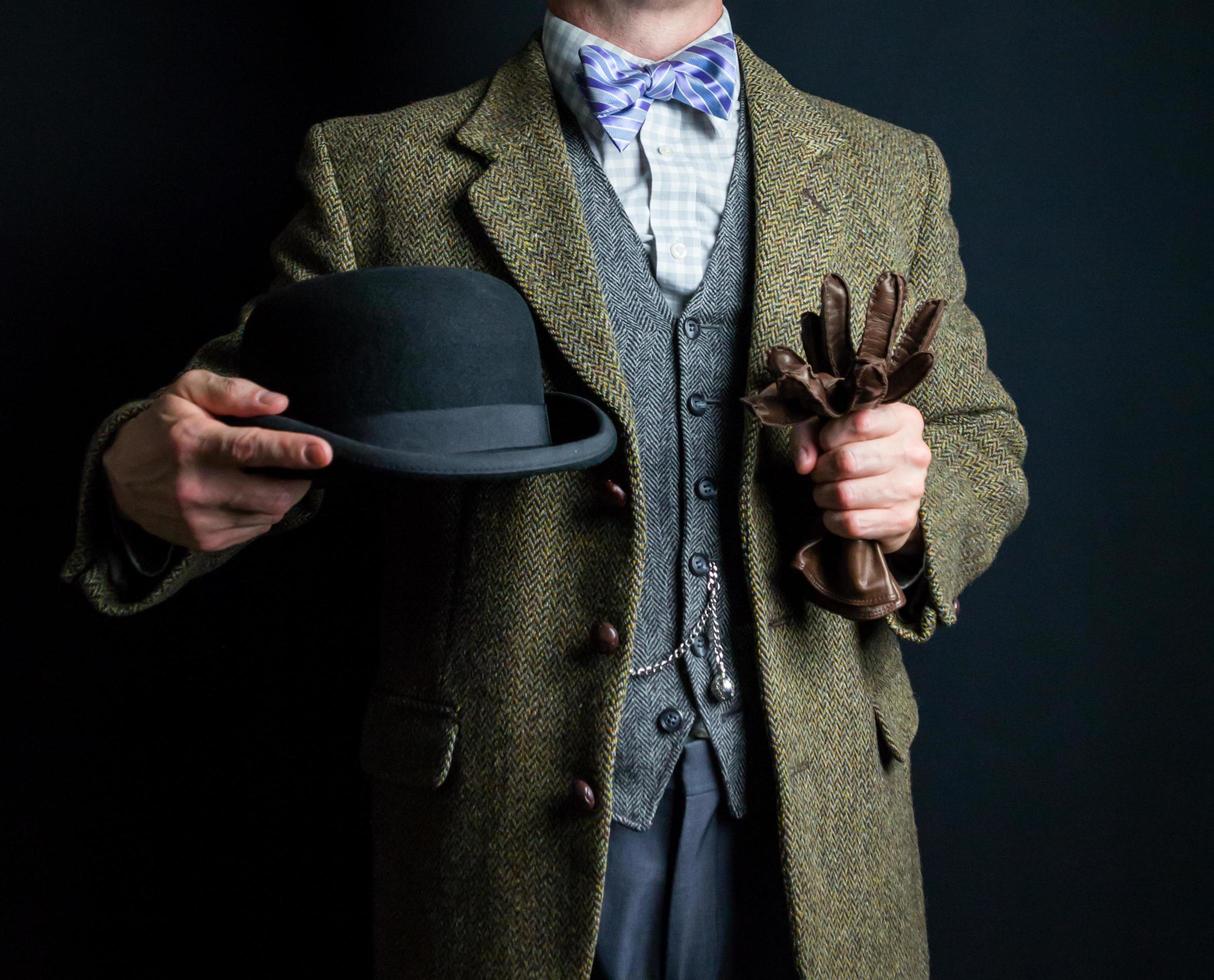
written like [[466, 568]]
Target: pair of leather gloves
[[849, 576]]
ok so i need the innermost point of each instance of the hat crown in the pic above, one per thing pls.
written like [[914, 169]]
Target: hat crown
[[385, 339]]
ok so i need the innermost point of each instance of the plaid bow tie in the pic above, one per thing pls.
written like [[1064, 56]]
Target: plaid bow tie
[[619, 93]]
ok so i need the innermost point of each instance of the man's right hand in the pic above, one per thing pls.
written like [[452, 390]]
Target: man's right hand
[[176, 471]]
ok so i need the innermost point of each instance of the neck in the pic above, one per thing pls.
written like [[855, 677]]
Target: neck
[[650, 29]]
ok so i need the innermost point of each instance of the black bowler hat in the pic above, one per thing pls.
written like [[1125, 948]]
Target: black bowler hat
[[425, 371]]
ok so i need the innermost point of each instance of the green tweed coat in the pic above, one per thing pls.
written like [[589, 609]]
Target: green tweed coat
[[490, 699]]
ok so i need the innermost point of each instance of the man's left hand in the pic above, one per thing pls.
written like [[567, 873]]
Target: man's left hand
[[869, 469]]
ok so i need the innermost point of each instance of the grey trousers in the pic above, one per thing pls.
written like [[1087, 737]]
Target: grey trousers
[[698, 895]]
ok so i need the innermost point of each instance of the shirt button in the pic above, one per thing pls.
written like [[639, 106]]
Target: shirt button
[[697, 404], [706, 488], [691, 328], [605, 636], [670, 720], [678, 250], [582, 794], [666, 149], [698, 564]]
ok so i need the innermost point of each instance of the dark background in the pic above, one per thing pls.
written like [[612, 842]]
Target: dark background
[[171, 806]]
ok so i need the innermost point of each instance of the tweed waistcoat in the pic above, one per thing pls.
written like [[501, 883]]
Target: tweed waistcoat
[[684, 375]]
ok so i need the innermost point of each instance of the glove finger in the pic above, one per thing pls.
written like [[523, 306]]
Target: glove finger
[[836, 348], [919, 332], [884, 310], [771, 409], [908, 375], [781, 359]]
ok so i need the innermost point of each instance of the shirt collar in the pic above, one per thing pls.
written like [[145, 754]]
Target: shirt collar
[[561, 41]]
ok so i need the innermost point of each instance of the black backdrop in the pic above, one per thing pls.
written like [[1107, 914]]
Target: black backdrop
[[171, 807]]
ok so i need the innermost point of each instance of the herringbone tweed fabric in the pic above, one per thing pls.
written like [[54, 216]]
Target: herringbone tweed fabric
[[662, 366], [490, 700]]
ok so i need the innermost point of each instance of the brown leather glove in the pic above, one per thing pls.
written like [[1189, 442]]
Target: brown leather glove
[[848, 576]]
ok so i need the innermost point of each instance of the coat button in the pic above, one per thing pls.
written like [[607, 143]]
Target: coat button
[[670, 720], [698, 564], [583, 795], [697, 404], [615, 494], [706, 488], [606, 637]]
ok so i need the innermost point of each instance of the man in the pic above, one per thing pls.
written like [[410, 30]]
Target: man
[[571, 778]]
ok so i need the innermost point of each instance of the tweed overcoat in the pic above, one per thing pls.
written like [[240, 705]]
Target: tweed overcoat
[[490, 698]]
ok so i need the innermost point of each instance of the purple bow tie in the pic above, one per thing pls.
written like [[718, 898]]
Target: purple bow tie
[[619, 93]]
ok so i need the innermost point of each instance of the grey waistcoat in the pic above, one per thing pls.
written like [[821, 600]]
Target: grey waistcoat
[[684, 376]]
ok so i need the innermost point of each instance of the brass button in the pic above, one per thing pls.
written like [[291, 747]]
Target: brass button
[[583, 795], [615, 494], [605, 636]]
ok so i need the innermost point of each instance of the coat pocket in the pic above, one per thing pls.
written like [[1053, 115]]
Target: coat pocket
[[891, 742], [408, 741], [895, 711]]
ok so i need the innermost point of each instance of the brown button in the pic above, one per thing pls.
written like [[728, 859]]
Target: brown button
[[606, 637], [583, 795], [615, 494]]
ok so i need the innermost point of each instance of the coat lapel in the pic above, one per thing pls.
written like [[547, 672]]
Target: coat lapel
[[527, 202], [800, 203]]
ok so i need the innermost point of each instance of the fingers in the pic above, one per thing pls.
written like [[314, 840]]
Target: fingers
[[251, 445], [869, 457], [220, 394], [202, 538], [238, 495], [861, 493], [868, 423], [872, 524], [220, 507]]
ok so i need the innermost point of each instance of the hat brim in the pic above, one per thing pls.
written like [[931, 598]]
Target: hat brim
[[582, 434]]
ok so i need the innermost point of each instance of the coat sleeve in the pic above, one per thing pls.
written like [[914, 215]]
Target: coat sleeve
[[976, 492], [316, 241]]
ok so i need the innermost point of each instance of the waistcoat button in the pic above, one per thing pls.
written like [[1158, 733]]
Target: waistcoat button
[[670, 720], [697, 404], [699, 645], [606, 637], [706, 488], [583, 795], [691, 328], [698, 564]]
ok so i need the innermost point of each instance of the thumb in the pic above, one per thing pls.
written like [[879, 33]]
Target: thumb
[[221, 394], [805, 445]]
